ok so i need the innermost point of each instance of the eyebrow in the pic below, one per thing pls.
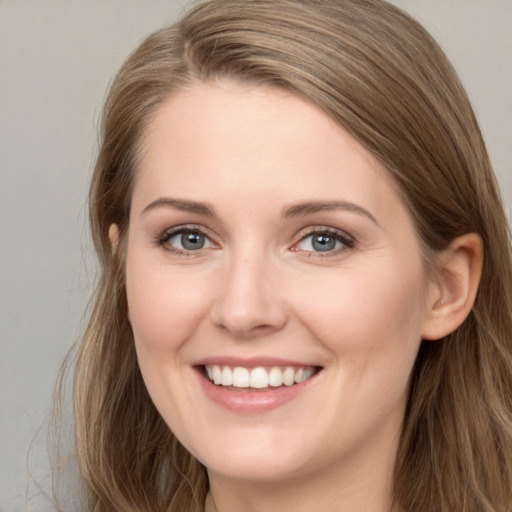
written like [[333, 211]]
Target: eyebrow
[[311, 207], [183, 205], [294, 210]]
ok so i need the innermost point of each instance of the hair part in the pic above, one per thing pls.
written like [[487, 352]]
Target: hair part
[[376, 72]]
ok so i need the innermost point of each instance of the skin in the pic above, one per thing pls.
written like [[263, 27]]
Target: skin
[[259, 289]]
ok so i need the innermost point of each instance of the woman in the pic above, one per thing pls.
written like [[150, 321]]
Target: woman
[[305, 291]]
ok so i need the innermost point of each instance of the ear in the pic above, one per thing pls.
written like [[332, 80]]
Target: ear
[[113, 236], [453, 286]]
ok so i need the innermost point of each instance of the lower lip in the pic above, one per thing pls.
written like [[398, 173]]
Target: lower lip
[[250, 401]]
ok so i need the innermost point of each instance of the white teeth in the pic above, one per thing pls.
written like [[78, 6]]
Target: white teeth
[[275, 377], [289, 376], [217, 375], [308, 372], [258, 378], [240, 377], [226, 377], [303, 374]]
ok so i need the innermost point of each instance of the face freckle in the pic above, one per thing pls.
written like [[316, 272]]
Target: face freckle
[[263, 235]]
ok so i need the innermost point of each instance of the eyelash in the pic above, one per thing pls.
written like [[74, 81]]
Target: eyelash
[[347, 241], [163, 239]]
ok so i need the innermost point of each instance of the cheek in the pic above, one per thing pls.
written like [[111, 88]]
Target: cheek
[[165, 309], [164, 306], [372, 329], [371, 315]]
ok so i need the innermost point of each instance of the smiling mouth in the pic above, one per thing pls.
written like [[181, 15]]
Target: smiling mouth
[[259, 378]]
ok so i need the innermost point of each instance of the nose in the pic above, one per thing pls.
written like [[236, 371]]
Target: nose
[[249, 302]]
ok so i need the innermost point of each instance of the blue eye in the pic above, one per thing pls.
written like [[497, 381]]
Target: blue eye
[[186, 240], [324, 241]]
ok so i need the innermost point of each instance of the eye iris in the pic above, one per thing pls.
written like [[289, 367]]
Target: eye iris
[[192, 240], [323, 242]]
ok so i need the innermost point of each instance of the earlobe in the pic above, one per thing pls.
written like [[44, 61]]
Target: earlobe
[[454, 286], [113, 236]]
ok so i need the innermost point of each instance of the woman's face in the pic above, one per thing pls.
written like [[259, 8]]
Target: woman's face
[[266, 246]]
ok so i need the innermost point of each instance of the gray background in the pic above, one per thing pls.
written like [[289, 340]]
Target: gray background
[[56, 60]]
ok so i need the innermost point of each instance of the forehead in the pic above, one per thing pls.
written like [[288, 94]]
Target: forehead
[[229, 138]]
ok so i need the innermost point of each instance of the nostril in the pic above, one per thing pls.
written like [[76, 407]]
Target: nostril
[[246, 303]]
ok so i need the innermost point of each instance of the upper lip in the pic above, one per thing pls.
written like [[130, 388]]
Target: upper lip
[[252, 362]]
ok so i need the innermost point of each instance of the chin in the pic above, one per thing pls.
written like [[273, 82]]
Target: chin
[[256, 468], [260, 455]]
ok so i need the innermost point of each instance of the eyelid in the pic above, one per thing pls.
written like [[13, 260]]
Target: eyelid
[[346, 239], [169, 233]]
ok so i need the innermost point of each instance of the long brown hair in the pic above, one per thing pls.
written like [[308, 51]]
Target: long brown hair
[[381, 76]]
